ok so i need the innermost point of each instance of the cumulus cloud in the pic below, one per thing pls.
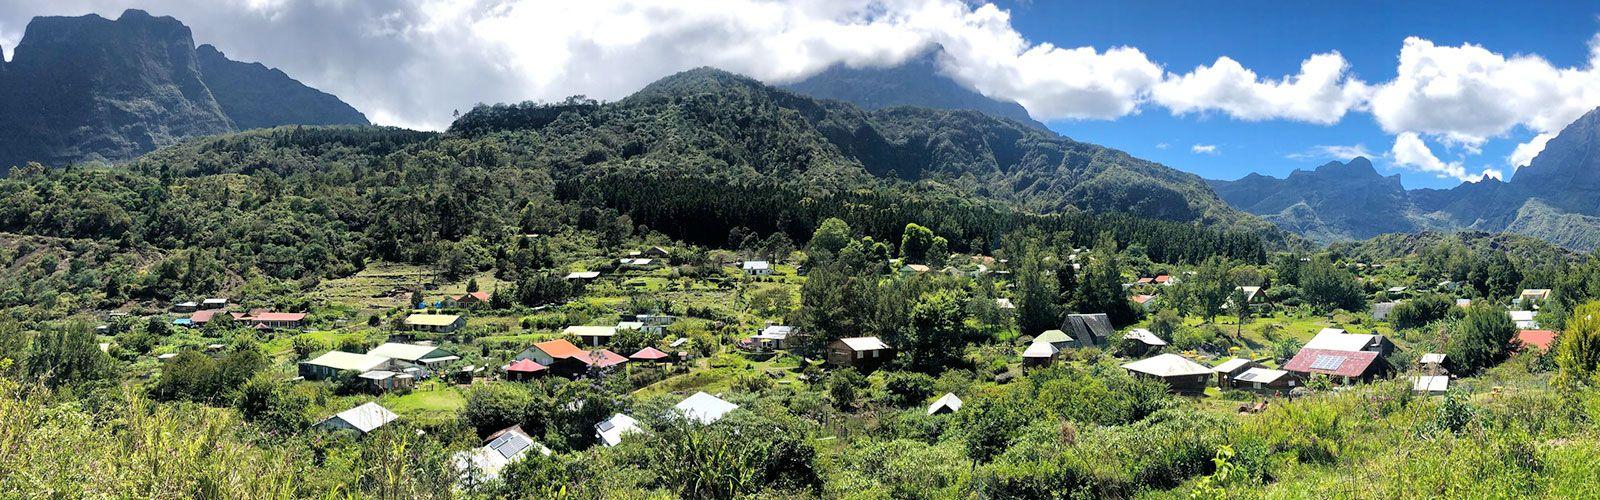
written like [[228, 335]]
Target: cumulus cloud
[[1524, 153], [1464, 95], [1204, 149], [1322, 92], [1410, 151]]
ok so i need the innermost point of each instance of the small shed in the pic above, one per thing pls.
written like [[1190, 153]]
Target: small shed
[[1039, 353], [524, 369], [862, 353], [1228, 370], [650, 355], [1142, 341], [705, 408], [362, 419], [1430, 385], [1432, 363], [610, 431], [1267, 380]]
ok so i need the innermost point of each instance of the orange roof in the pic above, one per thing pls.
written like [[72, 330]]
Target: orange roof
[[1163, 278], [1142, 298], [279, 316], [1539, 339], [480, 295], [561, 348], [202, 316], [1146, 280]]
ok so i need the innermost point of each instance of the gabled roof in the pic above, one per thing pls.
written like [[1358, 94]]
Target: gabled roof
[[525, 366], [949, 400], [340, 360], [864, 343], [1261, 375], [776, 332], [499, 450], [431, 319], [277, 316], [648, 354], [1040, 349], [1167, 365], [1089, 329], [1230, 365], [1431, 358], [583, 275], [1144, 336], [1538, 339], [705, 407], [366, 418], [1431, 383], [1141, 298], [612, 429], [480, 296], [755, 265], [409, 352], [1522, 315], [1331, 362], [604, 357], [560, 349]]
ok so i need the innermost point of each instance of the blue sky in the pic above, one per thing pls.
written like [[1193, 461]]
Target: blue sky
[[1272, 38], [1438, 92]]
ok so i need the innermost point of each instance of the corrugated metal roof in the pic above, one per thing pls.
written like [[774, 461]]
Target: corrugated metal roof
[[864, 343], [705, 408], [1168, 365]]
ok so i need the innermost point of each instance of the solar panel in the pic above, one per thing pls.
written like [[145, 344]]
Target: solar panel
[[1248, 376], [1327, 362]]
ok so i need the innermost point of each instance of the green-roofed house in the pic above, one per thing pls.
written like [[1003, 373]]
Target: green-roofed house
[[1057, 338], [436, 323]]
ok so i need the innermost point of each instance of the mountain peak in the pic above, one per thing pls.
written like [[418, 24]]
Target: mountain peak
[[917, 81], [1359, 166]]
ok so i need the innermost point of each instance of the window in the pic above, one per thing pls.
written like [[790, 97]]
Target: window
[[860, 355]]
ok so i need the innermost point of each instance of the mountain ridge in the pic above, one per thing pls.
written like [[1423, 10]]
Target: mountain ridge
[[916, 82], [87, 88]]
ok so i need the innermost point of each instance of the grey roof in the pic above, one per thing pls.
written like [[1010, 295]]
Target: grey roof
[[340, 360], [583, 275], [1040, 349], [366, 418], [1261, 375], [1431, 358], [611, 430], [705, 407], [409, 352], [1145, 336], [1230, 365], [1431, 383], [1380, 311], [1336, 339], [1089, 329]]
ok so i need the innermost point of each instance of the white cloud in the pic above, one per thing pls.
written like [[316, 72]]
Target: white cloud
[[1321, 93], [1410, 151], [1204, 149], [1162, 145], [1525, 152], [1332, 152], [1466, 94]]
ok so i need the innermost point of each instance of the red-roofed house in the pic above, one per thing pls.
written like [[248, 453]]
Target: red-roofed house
[[474, 299], [272, 320], [524, 369], [1164, 279], [604, 358], [649, 354], [563, 358], [200, 318], [1537, 339], [1342, 366]]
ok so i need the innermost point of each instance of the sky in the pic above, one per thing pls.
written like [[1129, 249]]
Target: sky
[[1436, 92]]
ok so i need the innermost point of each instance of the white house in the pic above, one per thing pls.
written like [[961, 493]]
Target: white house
[[363, 419], [756, 267], [705, 408], [611, 430]]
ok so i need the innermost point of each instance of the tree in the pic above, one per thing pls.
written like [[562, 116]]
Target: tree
[[1207, 291], [1241, 311], [1100, 290], [915, 243], [938, 329], [991, 423], [68, 354], [1037, 309], [1578, 352], [472, 285], [831, 236], [1480, 340], [1327, 286]]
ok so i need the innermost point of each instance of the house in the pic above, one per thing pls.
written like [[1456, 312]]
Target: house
[[262, 319], [214, 303], [1252, 296], [1533, 297], [523, 369], [1039, 353], [1380, 311], [436, 323], [775, 337], [862, 353], [704, 408], [636, 262], [1228, 370], [332, 363], [657, 252], [186, 307], [1432, 363], [1337, 339], [1144, 301], [472, 299], [583, 276], [913, 269], [500, 449], [650, 355], [611, 430], [1145, 281], [1142, 341], [1180, 374], [1430, 385], [1340, 365], [202, 317], [563, 358], [1267, 380], [385, 380], [1004, 303], [427, 356], [756, 267], [1056, 338], [591, 335], [1537, 339], [1089, 330], [1165, 280], [363, 419], [948, 403], [1524, 320], [655, 323]]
